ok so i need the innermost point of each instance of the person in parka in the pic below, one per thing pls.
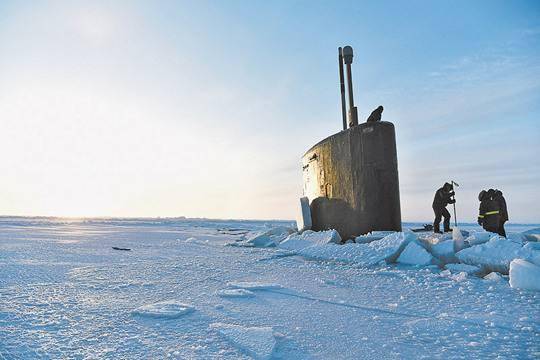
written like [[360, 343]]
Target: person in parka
[[503, 212], [443, 197], [489, 213]]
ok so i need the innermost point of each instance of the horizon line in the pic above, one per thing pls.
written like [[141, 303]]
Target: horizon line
[[197, 218]]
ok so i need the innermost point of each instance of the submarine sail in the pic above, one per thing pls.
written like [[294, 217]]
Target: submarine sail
[[351, 178]]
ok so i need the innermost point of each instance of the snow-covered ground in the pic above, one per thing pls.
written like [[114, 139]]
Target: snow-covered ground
[[181, 293]]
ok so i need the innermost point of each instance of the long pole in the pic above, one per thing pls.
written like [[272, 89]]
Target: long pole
[[455, 219], [342, 89], [454, 204]]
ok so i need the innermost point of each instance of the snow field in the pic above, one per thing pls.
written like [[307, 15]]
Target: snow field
[[80, 299], [257, 342]]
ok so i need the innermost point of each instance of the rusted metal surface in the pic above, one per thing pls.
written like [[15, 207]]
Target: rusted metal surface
[[351, 180]]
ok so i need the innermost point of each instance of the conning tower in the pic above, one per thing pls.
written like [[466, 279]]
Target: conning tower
[[351, 178]]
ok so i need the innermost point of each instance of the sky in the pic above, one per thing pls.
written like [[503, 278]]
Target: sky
[[205, 108]]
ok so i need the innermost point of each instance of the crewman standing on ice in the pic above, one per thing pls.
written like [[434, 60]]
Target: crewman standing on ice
[[489, 213], [443, 197]]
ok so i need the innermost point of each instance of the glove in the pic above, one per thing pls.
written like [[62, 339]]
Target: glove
[[451, 193], [479, 221], [452, 201]]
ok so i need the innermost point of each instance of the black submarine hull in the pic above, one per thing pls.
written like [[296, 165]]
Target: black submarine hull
[[351, 180]]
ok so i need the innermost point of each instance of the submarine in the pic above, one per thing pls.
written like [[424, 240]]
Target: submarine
[[350, 179]]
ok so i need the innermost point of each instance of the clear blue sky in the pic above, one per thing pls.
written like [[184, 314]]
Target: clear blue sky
[[167, 108]]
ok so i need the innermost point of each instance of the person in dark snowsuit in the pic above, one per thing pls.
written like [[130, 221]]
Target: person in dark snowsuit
[[375, 115], [503, 212], [443, 197], [489, 213]]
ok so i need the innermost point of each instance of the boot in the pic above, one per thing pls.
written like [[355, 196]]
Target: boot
[[447, 225], [437, 229]]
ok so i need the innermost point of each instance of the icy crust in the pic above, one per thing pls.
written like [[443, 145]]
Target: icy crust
[[532, 235], [478, 238], [349, 253], [414, 254], [479, 254], [257, 342], [532, 252], [494, 255], [387, 249], [165, 309], [458, 268], [310, 238], [235, 293], [303, 218], [444, 251], [253, 285], [524, 275], [457, 238], [268, 238], [392, 245], [494, 276], [372, 236]]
